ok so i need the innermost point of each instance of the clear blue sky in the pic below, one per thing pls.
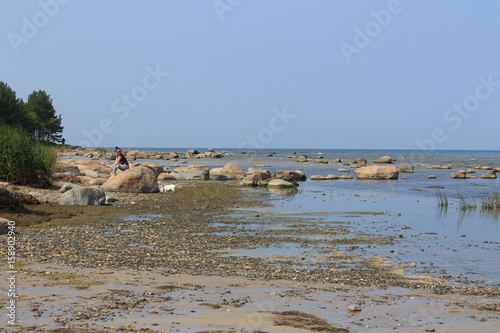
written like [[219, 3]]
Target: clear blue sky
[[263, 74]]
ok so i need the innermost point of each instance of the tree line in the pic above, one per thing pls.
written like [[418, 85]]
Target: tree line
[[36, 117]]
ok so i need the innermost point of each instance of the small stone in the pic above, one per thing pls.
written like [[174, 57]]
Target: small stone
[[353, 307]]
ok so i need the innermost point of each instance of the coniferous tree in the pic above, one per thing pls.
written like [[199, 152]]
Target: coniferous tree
[[44, 124], [11, 108]]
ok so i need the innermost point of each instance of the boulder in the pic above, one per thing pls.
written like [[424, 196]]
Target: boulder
[[191, 167], [296, 175], [497, 169], [70, 169], [281, 183], [346, 176], [489, 175], [229, 171], [432, 176], [460, 174], [358, 163], [83, 196], [377, 172], [7, 200], [251, 171], [68, 186], [173, 155], [342, 170], [139, 179], [257, 179], [98, 181], [157, 168], [302, 158], [317, 177], [321, 161], [406, 169], [384, 160], [192, 175], [4, 226], [166, 176]]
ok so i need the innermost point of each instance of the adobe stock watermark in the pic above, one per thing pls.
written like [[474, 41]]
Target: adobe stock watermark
[[31, 26], [123, 105], [278, 122], [11, 306], [223, 6], [364, 36], [454, 118]]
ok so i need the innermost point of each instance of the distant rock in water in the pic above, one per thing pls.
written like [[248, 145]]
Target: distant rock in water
[[406, 169], [281, 183], [384, 160], [358, 163], [377, 172]]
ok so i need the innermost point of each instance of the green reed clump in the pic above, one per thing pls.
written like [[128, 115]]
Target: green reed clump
[[442, 200], [466, 204], [23, 161], [491, 204]]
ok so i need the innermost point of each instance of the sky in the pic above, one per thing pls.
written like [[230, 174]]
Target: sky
[[338, 74]]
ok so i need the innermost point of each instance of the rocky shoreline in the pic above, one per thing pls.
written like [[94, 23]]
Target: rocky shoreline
[[190, 233]]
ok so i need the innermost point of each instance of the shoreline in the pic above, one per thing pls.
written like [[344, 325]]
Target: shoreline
[[196, 236]]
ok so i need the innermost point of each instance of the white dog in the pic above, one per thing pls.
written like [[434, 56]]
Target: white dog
[[168, 188]]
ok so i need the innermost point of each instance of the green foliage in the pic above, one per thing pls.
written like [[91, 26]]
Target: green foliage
[[44, 124], [37, 117], [11, 108], [23, 161]]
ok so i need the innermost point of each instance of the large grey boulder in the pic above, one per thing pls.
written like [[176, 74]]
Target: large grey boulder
[[84, 196]]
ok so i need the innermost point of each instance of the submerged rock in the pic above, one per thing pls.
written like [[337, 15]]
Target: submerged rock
[[281, 183]]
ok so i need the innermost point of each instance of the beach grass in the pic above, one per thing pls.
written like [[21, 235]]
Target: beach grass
[[24, 161]]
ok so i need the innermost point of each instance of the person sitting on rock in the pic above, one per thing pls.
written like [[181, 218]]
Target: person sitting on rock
[[120, 162]]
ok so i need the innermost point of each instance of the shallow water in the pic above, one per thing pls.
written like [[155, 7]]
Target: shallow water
[[427, 239]]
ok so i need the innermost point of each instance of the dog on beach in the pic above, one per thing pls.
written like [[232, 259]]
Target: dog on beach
[[168, 188]]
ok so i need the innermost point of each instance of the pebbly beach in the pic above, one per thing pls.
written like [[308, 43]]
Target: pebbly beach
[[285, 241]]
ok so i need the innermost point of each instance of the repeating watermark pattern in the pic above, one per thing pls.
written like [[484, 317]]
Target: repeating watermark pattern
[[31, 26], [11, 273], [123, 105], [454, 118], [266, 135], [364, 36], [223, 6]]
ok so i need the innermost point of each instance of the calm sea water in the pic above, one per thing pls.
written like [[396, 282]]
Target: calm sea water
[[445, 242]]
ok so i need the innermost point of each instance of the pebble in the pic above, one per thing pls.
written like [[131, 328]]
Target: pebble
[[353, 307]]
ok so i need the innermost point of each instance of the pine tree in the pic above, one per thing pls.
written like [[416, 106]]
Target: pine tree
[[44, 124], [11, 108]]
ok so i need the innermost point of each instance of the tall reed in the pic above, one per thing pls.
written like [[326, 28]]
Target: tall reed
[[23, 161]]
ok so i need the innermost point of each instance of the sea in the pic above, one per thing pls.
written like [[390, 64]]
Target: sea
[[439, 225]]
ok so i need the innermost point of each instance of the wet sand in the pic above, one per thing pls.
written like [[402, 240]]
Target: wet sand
[[52, 296]]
